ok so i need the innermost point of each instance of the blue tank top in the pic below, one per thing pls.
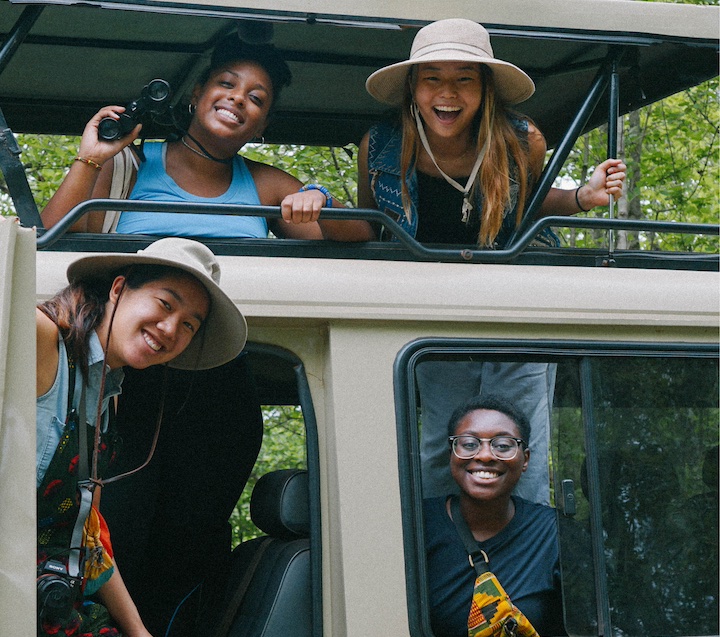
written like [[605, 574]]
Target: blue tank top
[[154, 184]]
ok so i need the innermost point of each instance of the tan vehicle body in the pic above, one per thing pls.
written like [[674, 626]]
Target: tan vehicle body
[[347, 321]]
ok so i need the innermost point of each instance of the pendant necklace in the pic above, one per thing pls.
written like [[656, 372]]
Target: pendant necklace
[[467, 205]]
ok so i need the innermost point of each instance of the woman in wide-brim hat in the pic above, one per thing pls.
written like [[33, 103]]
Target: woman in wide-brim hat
[[160, 306], [459, 166]]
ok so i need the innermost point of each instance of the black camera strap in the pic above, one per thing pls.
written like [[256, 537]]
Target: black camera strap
[[85, 486], [85, 491]]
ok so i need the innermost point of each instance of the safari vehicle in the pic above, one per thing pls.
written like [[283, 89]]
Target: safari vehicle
[[341, 330]]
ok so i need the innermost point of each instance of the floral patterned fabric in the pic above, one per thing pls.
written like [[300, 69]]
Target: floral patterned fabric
[[58, 508]]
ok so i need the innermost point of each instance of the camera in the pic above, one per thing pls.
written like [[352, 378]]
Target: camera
[[57, 591], [154, 98]]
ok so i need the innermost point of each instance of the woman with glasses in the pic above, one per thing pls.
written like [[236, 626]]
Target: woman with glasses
[[488, 453]]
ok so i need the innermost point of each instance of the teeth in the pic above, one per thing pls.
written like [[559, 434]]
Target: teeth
[[448, 109], [153, 345], [228, 113], [485, 474]]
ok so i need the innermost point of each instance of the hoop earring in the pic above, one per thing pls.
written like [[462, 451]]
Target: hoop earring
[[191, 108]]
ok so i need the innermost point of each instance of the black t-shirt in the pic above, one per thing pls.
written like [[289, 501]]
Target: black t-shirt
[[440, 213], [524, 557]]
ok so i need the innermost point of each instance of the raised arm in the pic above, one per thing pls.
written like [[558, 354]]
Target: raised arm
[[89, 176], [605, 182]]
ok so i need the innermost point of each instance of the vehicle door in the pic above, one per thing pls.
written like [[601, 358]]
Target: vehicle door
[[17, 425]]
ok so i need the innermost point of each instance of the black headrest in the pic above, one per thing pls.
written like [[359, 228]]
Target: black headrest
[[279, 505]]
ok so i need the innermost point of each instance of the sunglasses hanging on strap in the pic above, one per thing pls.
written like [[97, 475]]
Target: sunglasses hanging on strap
[[492, 614]]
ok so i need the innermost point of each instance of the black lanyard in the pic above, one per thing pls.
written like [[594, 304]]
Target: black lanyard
[[478, 558]]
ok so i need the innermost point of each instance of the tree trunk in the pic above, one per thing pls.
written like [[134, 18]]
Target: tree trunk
[[633, 152]]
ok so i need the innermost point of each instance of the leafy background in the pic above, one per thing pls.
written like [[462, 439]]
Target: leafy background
[[671, 148]]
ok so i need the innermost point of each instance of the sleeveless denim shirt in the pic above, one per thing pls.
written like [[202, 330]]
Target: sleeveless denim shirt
[[384, 149], [52, 406]]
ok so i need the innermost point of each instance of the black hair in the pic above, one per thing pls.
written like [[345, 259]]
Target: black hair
[[232, 49], [492, 403]]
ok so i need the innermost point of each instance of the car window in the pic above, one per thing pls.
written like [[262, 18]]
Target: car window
[[631, 466], [637, 463]]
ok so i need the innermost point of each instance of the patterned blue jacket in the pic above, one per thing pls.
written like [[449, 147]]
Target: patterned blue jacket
[[384, 149]]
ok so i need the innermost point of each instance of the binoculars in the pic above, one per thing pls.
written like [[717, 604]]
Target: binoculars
[[154, 99]]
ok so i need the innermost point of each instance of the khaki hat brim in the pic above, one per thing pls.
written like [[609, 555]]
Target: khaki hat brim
[[224, 331], [512, 84]]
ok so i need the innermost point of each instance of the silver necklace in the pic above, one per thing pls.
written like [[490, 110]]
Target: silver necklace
[[202, 152], [195, 150]]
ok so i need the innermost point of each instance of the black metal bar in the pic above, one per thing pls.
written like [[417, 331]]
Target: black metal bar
[[612, 144], [17, 34], [16, 179], [563, 149], [47, 238], [10, 164], [602, 603]]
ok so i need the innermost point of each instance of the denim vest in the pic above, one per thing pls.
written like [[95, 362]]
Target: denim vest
[[52, 406], [384, 149]]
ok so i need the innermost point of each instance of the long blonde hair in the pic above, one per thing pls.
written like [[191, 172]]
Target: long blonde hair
[[494, 178]]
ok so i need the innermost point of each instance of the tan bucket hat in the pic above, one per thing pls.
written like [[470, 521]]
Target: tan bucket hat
[[451, 40], [224, 329]]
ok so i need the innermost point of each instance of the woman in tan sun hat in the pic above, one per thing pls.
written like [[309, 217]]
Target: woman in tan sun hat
[[457, 168], [160, 306], [468, 161]]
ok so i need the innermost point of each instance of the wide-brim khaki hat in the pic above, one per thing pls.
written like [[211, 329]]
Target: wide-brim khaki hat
[[451, 40], [224, 330]]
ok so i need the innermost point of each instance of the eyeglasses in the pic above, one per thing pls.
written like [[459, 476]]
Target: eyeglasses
[[501, 447]]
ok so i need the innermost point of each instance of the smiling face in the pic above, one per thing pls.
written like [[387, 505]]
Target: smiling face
[[448, 96], [484, 477], [155, 322], [232, 106]]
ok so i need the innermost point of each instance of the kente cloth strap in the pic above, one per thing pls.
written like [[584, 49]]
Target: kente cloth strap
[[467, 206], [492, 614]]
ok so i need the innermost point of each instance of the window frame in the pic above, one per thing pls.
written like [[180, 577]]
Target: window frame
[[313, 470], [406, 417]]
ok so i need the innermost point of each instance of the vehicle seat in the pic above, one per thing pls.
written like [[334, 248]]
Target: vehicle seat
[[169, 523], [270, 586]]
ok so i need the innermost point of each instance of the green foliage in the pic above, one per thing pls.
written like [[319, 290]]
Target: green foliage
[[671, 150], [47, 159], [283, 447], [334, 168]]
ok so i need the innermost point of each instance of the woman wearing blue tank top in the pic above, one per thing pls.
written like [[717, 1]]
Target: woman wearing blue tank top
[[229, 107]]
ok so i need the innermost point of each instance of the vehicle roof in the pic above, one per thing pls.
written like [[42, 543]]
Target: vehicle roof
[[77, 57]]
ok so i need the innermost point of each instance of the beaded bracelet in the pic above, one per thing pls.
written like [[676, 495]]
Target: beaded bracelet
[[323, 190], [89, 162], [577, 201]]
